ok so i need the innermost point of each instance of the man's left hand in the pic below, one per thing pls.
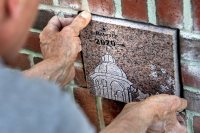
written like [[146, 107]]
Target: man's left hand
[[60, 45]]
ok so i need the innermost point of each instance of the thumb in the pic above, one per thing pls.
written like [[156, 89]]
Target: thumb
[[56, 23], [80, 22]]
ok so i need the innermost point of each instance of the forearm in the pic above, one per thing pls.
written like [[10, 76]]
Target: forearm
[[131, 120], [124, 127], [50, 69]]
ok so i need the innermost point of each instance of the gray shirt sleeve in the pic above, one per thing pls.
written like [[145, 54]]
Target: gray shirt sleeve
[[72, 120], [37, 106]]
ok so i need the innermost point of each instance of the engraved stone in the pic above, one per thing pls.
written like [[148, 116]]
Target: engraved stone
[[128, 61]]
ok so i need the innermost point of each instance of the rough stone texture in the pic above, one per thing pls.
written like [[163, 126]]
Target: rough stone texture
[[169, 12], [87, 102], [102, 7], [80, 77], [135, 10], [42, 19], [75, 4], [33, 42], [193, 100], [48, 2], [196, 124], [20, 62], [116, 55], [196, 14], [190, 49], [191, 75]]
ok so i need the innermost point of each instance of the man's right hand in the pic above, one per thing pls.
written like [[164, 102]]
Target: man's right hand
[[60, 45], [156, 114]]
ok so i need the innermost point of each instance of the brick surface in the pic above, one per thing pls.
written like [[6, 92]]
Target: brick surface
[[193, 100], [190, 49], [135, 9], [87, 101], [75, 4], [196, 14], [48, 2], [79, 58], [20, 62], [42, 19], [80, 77], [169, 12], [33, 42], [190, 75], [102, 7], [196, 124]]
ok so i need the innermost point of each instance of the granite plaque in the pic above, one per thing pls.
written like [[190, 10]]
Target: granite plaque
[[128, 61]]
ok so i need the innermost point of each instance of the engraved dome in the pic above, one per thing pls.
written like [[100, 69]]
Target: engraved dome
[[108, 66]]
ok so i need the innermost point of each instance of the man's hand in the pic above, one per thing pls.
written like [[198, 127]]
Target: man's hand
[[60, 46], [156, 114]]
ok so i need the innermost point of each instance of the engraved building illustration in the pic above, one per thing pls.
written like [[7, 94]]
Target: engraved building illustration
[[111, 82]]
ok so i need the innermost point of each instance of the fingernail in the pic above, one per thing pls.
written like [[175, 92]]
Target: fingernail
[[85, 14]]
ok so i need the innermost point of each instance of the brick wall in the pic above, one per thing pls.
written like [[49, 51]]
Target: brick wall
[[181, 14]]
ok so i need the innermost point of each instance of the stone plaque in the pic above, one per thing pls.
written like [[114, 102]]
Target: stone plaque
[[128, 61]]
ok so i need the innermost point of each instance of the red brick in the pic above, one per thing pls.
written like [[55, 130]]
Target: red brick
[[102, 7], [190, 49], [191, 75], [48, 2], [80, 77], [75, 4], [169, 12], [135, 9], [79, 58], [21, 62], [87, 101], [196, 124], [193, 101], [43, 18], [196, 14], [33, 42]]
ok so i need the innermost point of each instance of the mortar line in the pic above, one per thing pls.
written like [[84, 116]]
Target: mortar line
[[151, 8], [30, 58], [118, 9], [189, 35], [99, 109], [192, 89], [190, 115], [55, 2], [190, 63], [35, 30], [58, 10], [78, 64], [85, 5], [70, 89], [189, 121], [187, 15], [29, 52]]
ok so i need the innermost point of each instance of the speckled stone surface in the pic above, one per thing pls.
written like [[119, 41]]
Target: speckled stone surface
[[127, 61]]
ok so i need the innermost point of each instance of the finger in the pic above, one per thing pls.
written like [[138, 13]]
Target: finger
[[57, 23], [80, 22], [166, 103], [77, 43], [180, 104], [173, 103], [65, 21]]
